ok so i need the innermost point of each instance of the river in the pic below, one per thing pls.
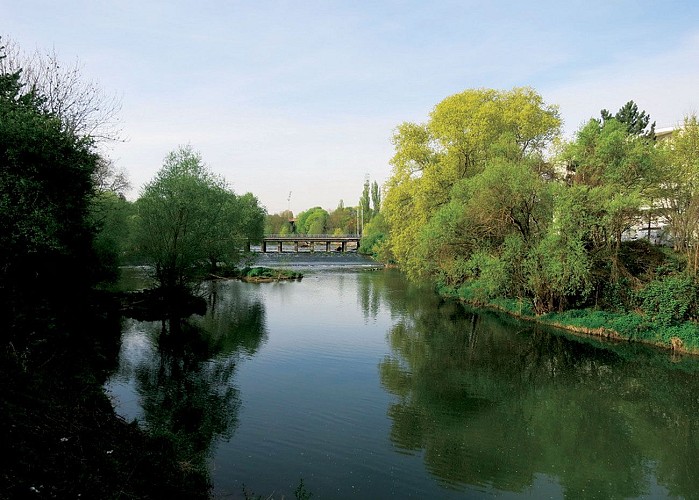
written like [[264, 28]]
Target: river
[[364, 386]]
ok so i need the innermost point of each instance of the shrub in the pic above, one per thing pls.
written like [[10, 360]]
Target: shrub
[[670, 300]]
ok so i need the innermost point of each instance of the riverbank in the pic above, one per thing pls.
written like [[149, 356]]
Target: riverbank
[[61, 437], [630, 326], [67, 442]]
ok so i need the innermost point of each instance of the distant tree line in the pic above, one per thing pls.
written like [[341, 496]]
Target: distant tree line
[[343, 220]]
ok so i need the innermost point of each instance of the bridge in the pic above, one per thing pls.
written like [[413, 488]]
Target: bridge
[[308, 242]]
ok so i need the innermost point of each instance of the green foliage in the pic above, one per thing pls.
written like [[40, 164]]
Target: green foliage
[[365, 212], [342, 220], [646, 261], [485, 276], [605, 154], [111, 215], [374, 235], [268, 272], [188, 221], [278, 223], [635, 122], [618, 173], [46, 186], [558, 272], [629, 325], [375, 199], [467, 178], [312, 221], [670, 300], [470, 204], [678, 191]]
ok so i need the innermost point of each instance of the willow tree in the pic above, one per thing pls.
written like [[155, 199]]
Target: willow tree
[[464, 134], [189, 221]]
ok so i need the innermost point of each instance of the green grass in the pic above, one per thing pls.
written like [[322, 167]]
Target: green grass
[[627, 325]]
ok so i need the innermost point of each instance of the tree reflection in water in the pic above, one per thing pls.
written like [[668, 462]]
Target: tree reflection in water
[[497, 403], [186, 385]]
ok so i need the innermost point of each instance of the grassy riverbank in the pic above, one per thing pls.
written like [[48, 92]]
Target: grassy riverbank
[[631, 326]]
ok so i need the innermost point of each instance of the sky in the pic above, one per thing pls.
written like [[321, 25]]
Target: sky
[[297, 101]]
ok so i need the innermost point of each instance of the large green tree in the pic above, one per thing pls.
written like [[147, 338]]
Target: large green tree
[[189, 221], [465, 133], [622, 171], [46, 187]]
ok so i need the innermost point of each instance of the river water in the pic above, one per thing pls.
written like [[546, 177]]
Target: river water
[[364, 386]]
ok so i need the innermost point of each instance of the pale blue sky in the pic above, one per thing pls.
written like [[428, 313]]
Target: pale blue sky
[[303, 96]]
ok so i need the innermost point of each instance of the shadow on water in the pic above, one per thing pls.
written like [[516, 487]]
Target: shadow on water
[[498, 404], [185, 381]]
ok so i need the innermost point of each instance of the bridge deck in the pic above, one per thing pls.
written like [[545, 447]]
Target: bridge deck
[[309, 241]]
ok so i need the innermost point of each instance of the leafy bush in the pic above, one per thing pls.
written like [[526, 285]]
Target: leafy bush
[[670, 300], [373, 237]]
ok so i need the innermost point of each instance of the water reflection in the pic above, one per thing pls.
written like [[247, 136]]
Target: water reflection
[[495, 403], [185, 381]]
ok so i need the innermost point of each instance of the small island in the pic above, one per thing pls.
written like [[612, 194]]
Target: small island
[[260, 274]]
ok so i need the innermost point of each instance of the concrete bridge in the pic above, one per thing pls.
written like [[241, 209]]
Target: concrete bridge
[[308, 242]]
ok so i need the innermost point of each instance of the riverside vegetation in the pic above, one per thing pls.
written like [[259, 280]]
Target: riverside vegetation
[[488, 201]]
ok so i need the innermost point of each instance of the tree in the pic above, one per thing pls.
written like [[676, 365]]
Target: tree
[[312, 221], [83, 111], [482, 235], [342, 220], [365, 204], [465, 132], [188, 221], [373, 238], [279, 223], [108, 178], [82, 107], [636, 122], [623, 170], [679, 190], [111, 216], [247, 220], [46, 185], [375, 198]]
